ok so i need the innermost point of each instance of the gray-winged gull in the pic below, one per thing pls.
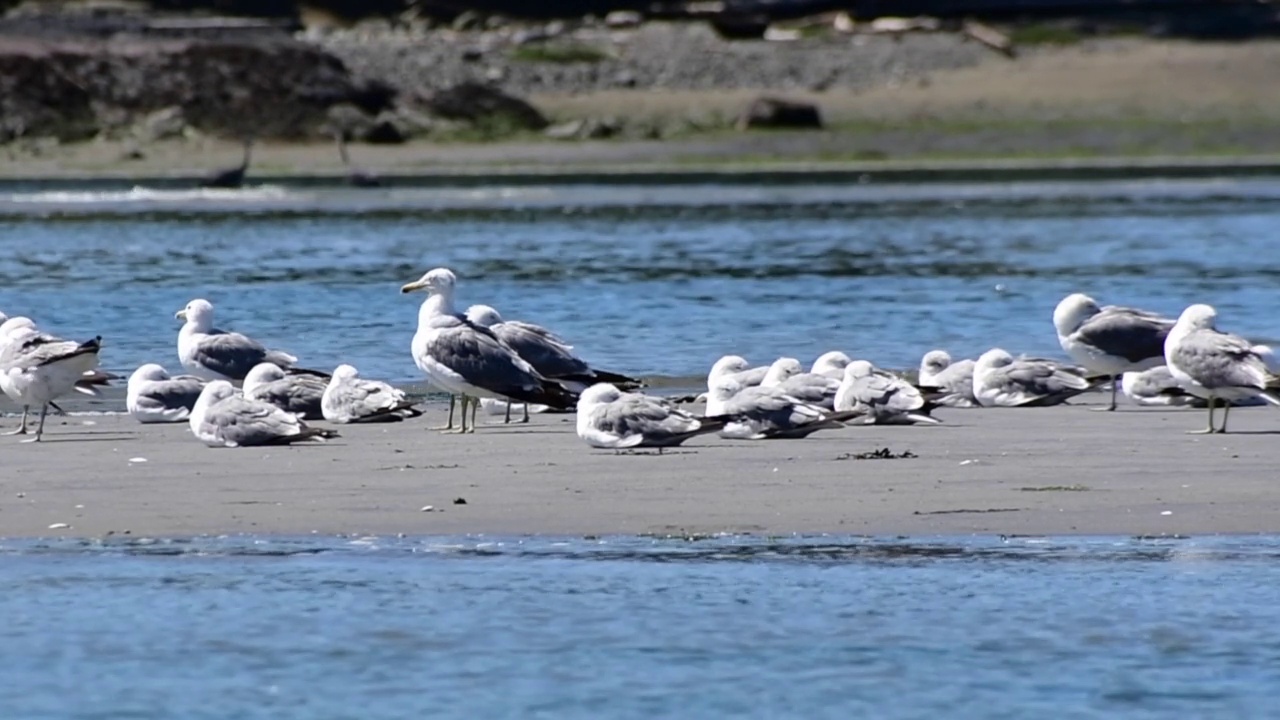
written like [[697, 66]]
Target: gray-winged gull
[[298, 393], [351, 399], [550, 355], [831, 364], [884, 399], [761, 413], [612, 419], [36, 368], [815, 389], [950, 382], [223, 417], [214, 354], [1110, 340], [1216, 364], [467, 360], [1001, 381], [155, 397]]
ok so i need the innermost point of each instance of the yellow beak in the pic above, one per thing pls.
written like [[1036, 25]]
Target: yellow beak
[[410, 287], [180, 315]]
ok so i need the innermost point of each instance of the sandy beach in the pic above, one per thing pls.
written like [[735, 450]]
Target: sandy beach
[[1064, 470]]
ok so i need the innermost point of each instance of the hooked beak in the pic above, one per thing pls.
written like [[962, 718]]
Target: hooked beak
[[410, 287], [180, 315]]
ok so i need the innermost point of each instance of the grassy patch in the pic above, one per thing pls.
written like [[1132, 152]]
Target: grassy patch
[[559, 53], [1057, 488], [1044, 35]]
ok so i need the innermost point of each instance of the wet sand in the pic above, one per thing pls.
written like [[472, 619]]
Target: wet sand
[[1052, 471]]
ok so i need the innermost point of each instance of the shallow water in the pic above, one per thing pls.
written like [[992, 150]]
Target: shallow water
[[659, 280], [639, 627]]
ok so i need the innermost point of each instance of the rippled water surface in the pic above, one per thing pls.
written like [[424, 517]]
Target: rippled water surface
[[643, 279], [638, 628]]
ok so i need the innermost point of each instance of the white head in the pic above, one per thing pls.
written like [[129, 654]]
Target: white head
[[935, 361], [780, 370], [439, 281], [198, 312], [724, 389], [598, 394], [1198, 317], [830, 362], [858, 369], [213, 393], [993, 358], [1073, 311], [344, 372], [147, 373], [727, 365], [261, 374], [483, 315], [15, 326]]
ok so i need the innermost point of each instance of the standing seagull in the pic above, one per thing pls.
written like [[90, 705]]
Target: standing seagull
[[154, 397], [1001, 381], [1110, 340], [552, 357], [611, 419], [1216, 364], [467, 360], [214, 354], [37, 368], [231, 178]]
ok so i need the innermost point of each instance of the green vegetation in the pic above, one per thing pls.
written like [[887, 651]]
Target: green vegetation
[[1045, 34], [559, 53]]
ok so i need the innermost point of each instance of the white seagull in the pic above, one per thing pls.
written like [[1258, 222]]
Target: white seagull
[[214, 354], [953, 381], [1110, 340], [352, 399], [611, 419], [37, 368], [883, 398], [1001, 381], [155, 397], [223, 417], [1217, 365]]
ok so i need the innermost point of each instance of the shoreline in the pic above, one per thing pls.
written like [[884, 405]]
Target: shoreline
[[1059, 471]]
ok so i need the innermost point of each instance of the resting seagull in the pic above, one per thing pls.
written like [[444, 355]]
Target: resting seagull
[[1001, 381], [551, 356], [786, 374], [223, 417], [611, 419], [1217, 365], [299, 394], [883, 398], [154, 397], [761, 413], [37, 368], [831, 364], [952, 382], [469, 361], [214, 354], [352, 399], [1110, 340]]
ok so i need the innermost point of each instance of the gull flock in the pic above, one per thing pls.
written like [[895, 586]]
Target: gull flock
[[484, 361]]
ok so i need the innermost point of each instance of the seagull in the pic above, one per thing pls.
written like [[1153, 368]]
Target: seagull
[[230, 178], [467, 360], [87, 384], [611, 419], [154, 397], [298, 393], [1110, 340], [761, 413], [214, 354], [351, 399], [883, 398], [36, 368], [551, 356], [950, 383], [223, 417], [1217, 365], [831, 364], [786, 374], [1001, 381]]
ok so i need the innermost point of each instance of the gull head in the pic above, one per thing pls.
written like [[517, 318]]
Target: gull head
[[935, 361], [215, 392], [16, 325], [439, 281], [147, 373], [261, 374], [780, 370], [858, 369], [993, 358], [1198, 317], [598, 394], [345, 372], [830, 362], [1073, 311], [483, 315], [727, 365], [198, 312], [725, 389]]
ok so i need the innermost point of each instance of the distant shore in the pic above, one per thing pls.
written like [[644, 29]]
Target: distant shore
[[1061, 470]]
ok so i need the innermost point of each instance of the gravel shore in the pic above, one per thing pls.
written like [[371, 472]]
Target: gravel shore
[[1063, 470]]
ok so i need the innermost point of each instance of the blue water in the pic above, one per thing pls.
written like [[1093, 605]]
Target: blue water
[[655, 280], [639, 628]]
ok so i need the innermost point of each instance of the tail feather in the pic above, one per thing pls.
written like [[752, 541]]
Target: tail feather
[[396, 413], [1271, 396], [307, 371], [308, 433], [617, 379], [551, 393]]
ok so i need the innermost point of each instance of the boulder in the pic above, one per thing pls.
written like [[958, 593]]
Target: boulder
[[776, 113], [477, 103]]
